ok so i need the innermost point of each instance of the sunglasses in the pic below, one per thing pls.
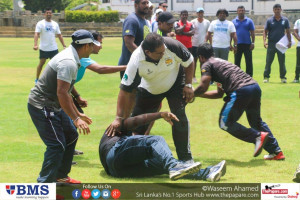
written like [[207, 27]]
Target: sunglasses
[[165, 6]]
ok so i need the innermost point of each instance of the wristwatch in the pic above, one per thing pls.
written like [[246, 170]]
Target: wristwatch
[[188, 85]]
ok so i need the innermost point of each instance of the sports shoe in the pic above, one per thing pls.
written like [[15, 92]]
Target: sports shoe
[[266, 80], [295, 81], [216, 172], [283, 80], [182, 169], [194, 80], [187, 162], [260, 142], [77, 152], [296, 177], [274, 156], [74, 163], [68, 180]]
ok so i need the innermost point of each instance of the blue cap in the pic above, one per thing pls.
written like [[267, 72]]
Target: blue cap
[[84, 37], [200, 9]]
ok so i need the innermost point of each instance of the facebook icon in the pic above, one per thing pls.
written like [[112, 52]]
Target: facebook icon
[[76, 194]]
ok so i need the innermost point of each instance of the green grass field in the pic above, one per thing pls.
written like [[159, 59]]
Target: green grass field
[[22, 149]]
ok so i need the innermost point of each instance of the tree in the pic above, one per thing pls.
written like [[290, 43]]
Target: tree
[[6, 5]]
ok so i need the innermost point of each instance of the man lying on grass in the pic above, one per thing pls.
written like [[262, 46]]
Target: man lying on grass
[[124, 155]]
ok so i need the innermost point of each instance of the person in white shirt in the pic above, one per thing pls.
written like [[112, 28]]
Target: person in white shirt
[[46, 29], [297, 36], [223, 32], [201, 26]]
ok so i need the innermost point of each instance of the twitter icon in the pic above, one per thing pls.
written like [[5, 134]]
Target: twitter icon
[[96, 194]]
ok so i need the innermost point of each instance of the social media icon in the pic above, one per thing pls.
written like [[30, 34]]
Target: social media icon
[[86, 194], [76, 194], [105, 194], [115, 193], [96, 194]]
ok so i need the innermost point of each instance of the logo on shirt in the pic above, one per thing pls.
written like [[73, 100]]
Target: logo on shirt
[[149, 71], [282, 22], [203, 70], [168, 61], [127, 31], [49, 28], [125, 77]]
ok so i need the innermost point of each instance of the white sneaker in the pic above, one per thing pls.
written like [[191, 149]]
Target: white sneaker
[[283, 80], [266, 80], [295, 81], [216, 172], [182, 169]]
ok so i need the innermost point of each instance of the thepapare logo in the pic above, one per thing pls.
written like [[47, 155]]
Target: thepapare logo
[[27, 189]]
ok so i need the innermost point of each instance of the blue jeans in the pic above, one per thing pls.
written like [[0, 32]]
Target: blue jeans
[[139, 156], [60, 136], [246, 99]]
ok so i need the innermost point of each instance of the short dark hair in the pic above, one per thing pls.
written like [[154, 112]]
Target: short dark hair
[[96, 34], [137, 1], [222, 10], [152, 41], [161, 3], [241, 7], [48, 9], [184, 11], [277, 6], [205, 50]]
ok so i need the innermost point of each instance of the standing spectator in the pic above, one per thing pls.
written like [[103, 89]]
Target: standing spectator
[[154, 24], [154, 71], [201, 26], [46, 29], [223, 31], [162, 5], [297, 36], [244, 29], [52, 110], [135, 28], [275, 28], [184, 30], [165, 22]]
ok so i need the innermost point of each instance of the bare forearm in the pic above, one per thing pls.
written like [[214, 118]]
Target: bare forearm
[[67, 105], [61, 40], [106, 69], [189, 71], [123, 110], [134, 122], [214, 94], [36, 38]]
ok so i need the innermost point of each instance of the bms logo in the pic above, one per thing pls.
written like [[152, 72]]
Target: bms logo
[[10, 189], [27, 189]]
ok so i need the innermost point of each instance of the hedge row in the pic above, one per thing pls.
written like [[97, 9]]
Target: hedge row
[[90, 16]]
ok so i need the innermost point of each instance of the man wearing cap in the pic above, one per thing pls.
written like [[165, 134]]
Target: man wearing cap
[[154, 71], [165, 23], [201, 26], [245, 39], [223, 32], [53, 112]]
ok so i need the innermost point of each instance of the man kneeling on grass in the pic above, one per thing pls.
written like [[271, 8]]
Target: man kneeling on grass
[[124, 155]]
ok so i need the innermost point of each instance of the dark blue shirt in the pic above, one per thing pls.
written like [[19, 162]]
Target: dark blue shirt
[[134, 26], [276, 28], [243, 29]]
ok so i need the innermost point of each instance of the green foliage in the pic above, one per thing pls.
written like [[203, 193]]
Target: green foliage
[[89, 16], [37, 5], [6, 5], [75, 3]]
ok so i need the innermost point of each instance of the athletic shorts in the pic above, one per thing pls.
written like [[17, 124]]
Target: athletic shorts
[[48, 54], [194, 51]]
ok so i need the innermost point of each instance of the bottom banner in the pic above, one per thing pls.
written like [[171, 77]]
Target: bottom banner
[[236, 191]]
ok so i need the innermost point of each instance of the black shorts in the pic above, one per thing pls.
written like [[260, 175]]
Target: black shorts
[[48, 54], [194, 52]]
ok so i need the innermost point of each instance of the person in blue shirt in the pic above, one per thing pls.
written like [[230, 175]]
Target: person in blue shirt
[[88, 63], [245, 39]]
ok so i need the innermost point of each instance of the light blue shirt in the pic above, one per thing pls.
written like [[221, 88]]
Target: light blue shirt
[[84, 62]]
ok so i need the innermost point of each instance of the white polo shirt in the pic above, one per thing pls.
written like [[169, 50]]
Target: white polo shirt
[[159, 77], [297, 26]]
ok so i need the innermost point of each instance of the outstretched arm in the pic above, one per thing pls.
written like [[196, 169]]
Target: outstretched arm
[[105, 69], [133, 122]]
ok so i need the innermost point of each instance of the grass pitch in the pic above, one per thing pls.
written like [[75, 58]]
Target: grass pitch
[[22, 149]]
